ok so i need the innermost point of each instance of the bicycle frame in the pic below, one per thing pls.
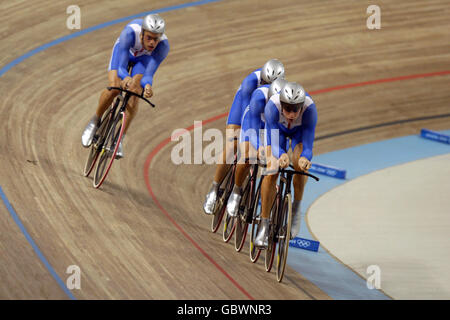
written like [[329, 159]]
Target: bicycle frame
[[123, 102], [252, 194], [107, 141]]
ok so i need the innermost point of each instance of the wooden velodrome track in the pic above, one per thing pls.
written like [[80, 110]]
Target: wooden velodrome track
[[129, 237]]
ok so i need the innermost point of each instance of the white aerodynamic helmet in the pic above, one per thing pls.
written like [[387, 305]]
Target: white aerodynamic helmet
[[276, 86], [292, 93], [272, 70], [154, 23]]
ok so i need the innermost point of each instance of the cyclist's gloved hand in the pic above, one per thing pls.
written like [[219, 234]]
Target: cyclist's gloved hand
[[283, 161], [304, 164], [148, 92], [126, 82]]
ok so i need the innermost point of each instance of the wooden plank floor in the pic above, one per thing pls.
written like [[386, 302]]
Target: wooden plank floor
[[126, 247]]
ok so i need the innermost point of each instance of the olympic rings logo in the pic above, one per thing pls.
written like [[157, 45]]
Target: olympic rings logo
[[303, 243]]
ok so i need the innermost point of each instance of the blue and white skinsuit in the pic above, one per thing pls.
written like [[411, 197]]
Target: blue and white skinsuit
[[128, 48], [253, 121], [242, 97], [301, 130]]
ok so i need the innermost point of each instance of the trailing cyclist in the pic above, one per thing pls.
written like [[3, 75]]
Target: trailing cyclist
[[144, 44]]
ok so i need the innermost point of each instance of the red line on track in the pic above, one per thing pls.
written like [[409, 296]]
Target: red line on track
[[146, 176], [366, 83], [166, 141]]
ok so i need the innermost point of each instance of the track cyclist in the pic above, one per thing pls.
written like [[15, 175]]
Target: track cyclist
[[289, 114], [144, 44], [272, 70], [250, 138]]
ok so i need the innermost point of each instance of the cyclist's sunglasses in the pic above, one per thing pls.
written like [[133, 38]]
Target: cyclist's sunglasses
[[292, 107]]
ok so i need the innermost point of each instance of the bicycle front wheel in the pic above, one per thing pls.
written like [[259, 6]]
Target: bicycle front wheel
[[284, 236], [109, 150]]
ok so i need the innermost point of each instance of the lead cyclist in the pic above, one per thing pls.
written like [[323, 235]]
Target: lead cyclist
[[144, 44], [292, 114]]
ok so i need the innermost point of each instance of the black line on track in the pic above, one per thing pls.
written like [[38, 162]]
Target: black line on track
[[380, 125]]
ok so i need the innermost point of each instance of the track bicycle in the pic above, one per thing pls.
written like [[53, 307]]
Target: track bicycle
[[225, 187], [280, 221], [247, 205], [108, 136]]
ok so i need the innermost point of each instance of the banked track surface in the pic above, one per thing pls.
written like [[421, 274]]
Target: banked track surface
[[124, 244]]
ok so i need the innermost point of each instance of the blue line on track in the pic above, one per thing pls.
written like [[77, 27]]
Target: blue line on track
[[33, 244], [94, 28]]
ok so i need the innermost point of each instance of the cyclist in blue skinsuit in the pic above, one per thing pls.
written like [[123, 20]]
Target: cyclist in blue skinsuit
[[250, 139], [290, 114], [143, 43], [271, 70]]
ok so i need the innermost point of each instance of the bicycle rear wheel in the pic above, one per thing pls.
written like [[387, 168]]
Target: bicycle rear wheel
[[109, 150], [228, 227], [91, 160], [284, 236], [270, 251], [95, 148], [254, 251], [223, 193], [241, 219]]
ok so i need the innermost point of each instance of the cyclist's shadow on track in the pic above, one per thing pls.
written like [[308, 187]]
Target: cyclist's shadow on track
[[111, 188], [67, 171]]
